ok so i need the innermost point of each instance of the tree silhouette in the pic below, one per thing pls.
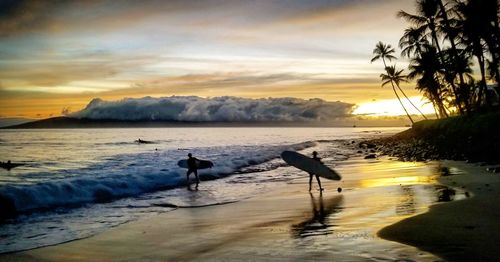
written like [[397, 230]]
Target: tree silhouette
[[429, 69], [383, 51], [395, 77], [427, 20], [472, 26]]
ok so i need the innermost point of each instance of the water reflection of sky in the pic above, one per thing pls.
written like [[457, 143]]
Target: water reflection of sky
[[375, 195]]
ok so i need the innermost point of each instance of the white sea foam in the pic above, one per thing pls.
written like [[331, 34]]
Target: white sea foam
[[135, 174]]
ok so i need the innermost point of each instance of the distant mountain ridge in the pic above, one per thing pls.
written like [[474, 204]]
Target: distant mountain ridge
[[10, 121], [69, 122]]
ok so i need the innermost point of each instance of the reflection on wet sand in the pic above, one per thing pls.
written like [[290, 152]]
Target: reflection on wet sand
[[318, 222], [406, 203], [444, 194]]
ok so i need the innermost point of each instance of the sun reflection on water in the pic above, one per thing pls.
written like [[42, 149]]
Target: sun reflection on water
[[402, 181]]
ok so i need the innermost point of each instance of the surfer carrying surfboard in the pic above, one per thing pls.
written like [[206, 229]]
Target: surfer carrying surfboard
[[313, 166], [316, 158], [192, 168]]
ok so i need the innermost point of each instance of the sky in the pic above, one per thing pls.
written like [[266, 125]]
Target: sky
[[56, 56]]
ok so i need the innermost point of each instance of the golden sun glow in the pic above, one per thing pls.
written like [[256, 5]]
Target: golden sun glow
[[392, 181], [392, 107]]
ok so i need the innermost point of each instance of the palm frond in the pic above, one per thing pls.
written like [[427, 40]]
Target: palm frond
[[413, 19]]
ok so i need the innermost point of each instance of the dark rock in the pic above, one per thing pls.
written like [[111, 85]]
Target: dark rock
[[446, 195], [444, 171], [493, 169], [371, 156], [367, 145]]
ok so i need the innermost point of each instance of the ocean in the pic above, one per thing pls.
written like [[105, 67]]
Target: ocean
[[79, 182]]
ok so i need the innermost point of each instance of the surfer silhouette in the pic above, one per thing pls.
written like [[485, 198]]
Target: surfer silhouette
[[192, 168], [315, 157]]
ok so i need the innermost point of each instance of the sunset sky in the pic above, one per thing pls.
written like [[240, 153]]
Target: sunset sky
[[62, 54]]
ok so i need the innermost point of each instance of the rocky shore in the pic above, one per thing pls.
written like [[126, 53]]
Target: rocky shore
[[468, 138]]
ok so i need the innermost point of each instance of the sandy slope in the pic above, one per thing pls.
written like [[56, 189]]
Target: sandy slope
[[466, 230]]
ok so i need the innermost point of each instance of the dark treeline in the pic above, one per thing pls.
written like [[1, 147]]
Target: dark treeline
[[444, 41]]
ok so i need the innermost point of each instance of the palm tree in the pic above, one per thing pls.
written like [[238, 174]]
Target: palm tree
[[429, 69], [491, 9], [412, 42], [395, 77], [451, 33], [472, 27], [459, 63], [427, 20], [383, 51]]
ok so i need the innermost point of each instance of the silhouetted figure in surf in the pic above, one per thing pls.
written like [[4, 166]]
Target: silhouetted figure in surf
[[315, 157], [9, 165], [192, 168]]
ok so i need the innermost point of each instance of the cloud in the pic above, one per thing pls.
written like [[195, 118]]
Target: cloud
[[18, 16], [217, 109], [66, 111], [60, 70]]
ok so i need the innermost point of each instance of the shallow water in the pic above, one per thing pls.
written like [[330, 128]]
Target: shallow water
[[343, 227], [67, 171]]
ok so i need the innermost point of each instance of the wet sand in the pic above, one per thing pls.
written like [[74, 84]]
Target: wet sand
[[466, 230], [287, 223]]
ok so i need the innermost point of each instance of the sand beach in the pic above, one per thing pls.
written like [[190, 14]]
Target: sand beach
[[463, 230], [289, 223]]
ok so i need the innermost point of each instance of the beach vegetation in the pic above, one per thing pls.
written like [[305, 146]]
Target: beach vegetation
[[453, 52], [392, 76]]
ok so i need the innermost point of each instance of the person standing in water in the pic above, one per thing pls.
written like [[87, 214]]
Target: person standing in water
[[315, 157], [192, 168]]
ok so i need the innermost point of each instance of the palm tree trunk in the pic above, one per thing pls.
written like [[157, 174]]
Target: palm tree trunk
[[400, 89], [441, 58], [451, 38], [482, 87], [394, 89], [442, 110], [399, 99], [495, 53], [435, 111]]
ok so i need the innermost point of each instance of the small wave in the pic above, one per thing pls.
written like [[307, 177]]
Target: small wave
[[193, 206], [116, 143], [132, 175]]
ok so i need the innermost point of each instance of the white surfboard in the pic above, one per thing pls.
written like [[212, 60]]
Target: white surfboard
[[309, 165]]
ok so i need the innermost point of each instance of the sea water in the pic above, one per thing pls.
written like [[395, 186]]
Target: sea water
[[78, 182]]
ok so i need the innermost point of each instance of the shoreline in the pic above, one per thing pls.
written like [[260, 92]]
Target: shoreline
[[460, 230], [282, 223], [285, 213], [474, 139]]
